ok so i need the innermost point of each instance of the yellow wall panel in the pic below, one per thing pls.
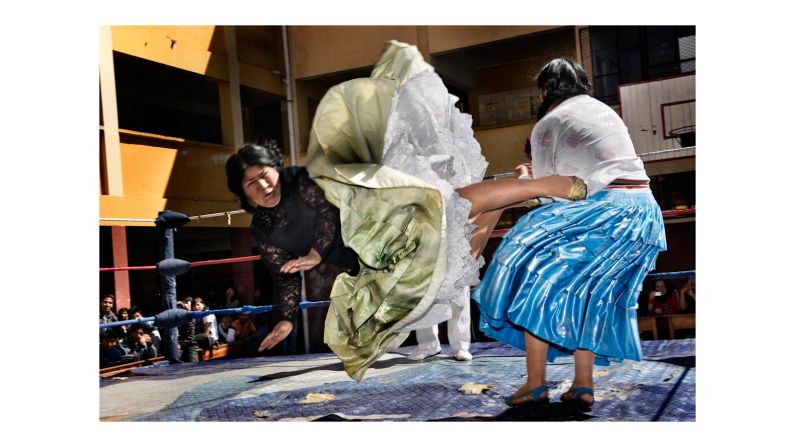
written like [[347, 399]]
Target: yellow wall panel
[[503, 147], [207, 38], [261, 79], [319, 50], [446, 38], [146, 170], [153, 44], [260, 46], [186, 172]]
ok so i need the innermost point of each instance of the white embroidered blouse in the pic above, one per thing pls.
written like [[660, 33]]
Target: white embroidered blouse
[[586, 138]]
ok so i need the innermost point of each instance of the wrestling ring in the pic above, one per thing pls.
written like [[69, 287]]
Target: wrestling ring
[[315, 387]]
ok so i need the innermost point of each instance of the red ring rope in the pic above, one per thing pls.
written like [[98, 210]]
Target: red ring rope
[[118, 269], [224, 261], [192, 264]]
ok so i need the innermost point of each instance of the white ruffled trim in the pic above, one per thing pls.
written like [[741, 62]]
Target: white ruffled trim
[[429, 138]]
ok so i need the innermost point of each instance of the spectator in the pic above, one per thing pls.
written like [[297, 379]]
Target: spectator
[[135, 314], [211, 299], [109, 351], [687, 296], [226, 331], [106, 315], [187, 301], [231, 300], [141, 345], [187, 336], [244, 327], [122, 314], [207, 332], [663, 300]]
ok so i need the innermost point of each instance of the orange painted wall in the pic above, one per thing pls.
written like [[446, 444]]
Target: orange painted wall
[[320, 50], [503, 147], [445, 38], [169, 173], [202, 50]]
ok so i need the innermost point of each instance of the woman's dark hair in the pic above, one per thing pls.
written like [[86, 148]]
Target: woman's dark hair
[[562, 78], [668, 289], [267, 154]]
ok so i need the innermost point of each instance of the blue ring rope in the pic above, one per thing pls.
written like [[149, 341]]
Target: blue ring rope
[[671, 275], [255, 310], [246, 310]]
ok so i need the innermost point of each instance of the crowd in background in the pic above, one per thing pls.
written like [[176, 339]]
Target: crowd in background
[[142, 341], [665, 299]]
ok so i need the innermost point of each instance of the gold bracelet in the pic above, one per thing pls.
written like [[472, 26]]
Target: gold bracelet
[[532, 203], [579, 190]]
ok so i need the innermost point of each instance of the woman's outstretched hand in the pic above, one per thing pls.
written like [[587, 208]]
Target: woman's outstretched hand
[[274, 337], [303, 263], [525, 169]]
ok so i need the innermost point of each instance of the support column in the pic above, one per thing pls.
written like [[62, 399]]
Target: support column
[[229, 95], [110, 118], [121, 279], [242, 272], [423, 43], [578, 44]]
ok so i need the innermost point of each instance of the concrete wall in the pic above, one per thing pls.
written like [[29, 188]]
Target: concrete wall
[[321, 50], [503, 146], [446, 38], [521, 73], [202, 50], [162, 173]]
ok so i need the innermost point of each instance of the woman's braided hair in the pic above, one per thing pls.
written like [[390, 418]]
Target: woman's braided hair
[[562, 78]]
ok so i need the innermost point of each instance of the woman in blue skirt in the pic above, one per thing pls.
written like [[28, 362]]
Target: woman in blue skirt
[[566, 278]]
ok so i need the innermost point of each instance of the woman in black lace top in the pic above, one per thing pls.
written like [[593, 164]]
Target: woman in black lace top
[[293, 225]]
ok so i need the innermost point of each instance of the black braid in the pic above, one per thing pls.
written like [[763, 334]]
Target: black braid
[[561, 78], [546, 104]]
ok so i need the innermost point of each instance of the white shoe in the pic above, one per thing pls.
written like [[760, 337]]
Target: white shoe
[[462, 355], [420, 354]]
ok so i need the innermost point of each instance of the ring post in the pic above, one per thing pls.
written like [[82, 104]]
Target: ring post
[[169, 284]]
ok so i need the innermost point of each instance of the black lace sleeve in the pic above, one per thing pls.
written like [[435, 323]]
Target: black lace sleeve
[[287, 285], [327, 216]]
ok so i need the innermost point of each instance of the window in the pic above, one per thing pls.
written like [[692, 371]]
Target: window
[[158, 99], [625, 54]]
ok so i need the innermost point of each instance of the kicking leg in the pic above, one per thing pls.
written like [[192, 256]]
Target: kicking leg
[[495, 194]]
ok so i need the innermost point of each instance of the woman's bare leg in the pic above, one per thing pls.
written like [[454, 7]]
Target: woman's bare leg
[[491, 195], [583, 372], [485, 225], [536, 358]]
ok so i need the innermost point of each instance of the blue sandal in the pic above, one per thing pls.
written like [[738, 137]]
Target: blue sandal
[[572, 398], [535, 393]]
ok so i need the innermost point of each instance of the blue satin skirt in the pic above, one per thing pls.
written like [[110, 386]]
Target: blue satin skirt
[[570, 273]]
